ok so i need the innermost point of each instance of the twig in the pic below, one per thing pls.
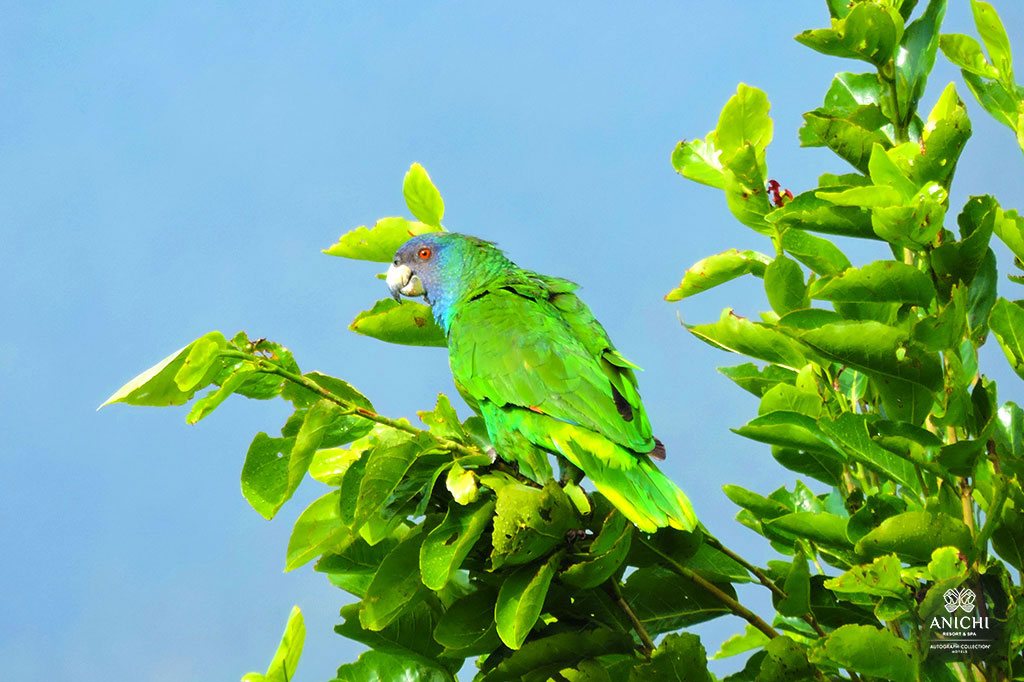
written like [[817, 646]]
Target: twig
[[616, 594], [268, 367], [709, 587]]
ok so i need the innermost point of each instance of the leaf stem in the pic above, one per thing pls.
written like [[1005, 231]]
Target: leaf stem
[[709, 587], [264, 365], [616, 594]]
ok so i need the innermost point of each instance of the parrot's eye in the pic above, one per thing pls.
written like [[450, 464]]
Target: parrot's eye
[[424, 253]]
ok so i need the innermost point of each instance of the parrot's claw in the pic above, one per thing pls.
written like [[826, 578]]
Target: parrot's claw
[[574, 535]]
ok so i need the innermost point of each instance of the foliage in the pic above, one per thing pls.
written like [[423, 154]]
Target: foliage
[[868, 383]]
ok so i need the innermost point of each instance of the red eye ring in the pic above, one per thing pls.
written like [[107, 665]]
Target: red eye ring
[[424, 253]]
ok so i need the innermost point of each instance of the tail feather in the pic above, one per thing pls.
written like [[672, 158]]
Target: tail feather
[[645, 495]]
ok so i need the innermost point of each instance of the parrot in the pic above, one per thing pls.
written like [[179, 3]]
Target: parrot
[[531, 359]]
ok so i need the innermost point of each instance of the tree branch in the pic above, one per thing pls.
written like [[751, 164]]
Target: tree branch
[[616, 594]]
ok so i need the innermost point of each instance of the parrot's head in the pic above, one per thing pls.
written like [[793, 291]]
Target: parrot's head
[[443, 267]]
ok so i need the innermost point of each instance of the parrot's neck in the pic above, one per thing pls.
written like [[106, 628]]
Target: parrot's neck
[[472, 279]]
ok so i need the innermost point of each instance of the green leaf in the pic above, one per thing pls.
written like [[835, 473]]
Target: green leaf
[[1009, 431], [354, 566], [378, 243], [790, 430], [994, 36], [877, 349], [286, 658], [699, 161], [1007, 323], [396, 587], [869, 32], [807, 211], [868, 650], [422, 198], [745, 193], [1008, 536], [851, 134], [1010, 228], [820, 255], [819, 527], [386, 465], [1000, 104], [762, 507], [914, 535], [965, 52], [849, 432], [878, 281], [405, 322], [467, 626], [718, 269], [316, 531], [265, 473], [881, 578], [203, 407], [410, 636], [159, 386], [541, 659], [529, 522], [784, 284], [755, 380], [876, 509], [462, 484], [663, 601], [916, 56], [740, 335], [521, 599], [679, 658], [750, 638], [605, 556], [785, 661], [744, 121], [942, 140], [797, 587], [443, 420], [374, 666], [329, 466], [981, 297], [447, 545]]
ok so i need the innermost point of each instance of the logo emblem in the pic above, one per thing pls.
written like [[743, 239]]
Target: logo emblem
[[959, 599]]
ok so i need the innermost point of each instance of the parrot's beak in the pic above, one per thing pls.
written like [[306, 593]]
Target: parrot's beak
[[402, 282]]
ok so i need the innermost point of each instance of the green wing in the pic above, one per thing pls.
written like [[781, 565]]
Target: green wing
[[549, 355]]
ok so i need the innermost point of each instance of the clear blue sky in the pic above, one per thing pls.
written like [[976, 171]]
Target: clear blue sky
[[172, 168]]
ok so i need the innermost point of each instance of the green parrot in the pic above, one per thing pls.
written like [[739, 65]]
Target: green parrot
[[528, 355]]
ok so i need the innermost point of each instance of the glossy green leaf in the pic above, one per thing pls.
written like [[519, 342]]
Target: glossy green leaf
[[876, 349], [663, 601], [851, 134], [353, 567], [265, 473], [869, 32], [965, 52], [605, 556], [378, 243], [386, 465], [678, 658], [1008, 536], [870, 651], [916, 56], [447, 545], [316, 531], [797, 587], [396, 587], [990, 27], [876, 508], [878, 281], [462, 484], [784, 284], [740, 335], [443, 420], [744, 121], [820, 255], [785, 661], [1009, 226], [790, 430], [158, 385], [529, 522], [818, 527], [718, 269], [422, 198], [204, 406], [699, 161], [849, 432], [914, 535], [750, 638], [762, 507], [407, 323], [408, 637], [539, 659], [757, 380], [1000, 104], [881, 578], [943, 139], [286, 658], [375, 666], [521, 599], [1007, 323], [467, 626], [745, 193]]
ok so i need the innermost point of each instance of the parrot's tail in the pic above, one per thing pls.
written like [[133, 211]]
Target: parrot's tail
[[631, 482], [641, 492]]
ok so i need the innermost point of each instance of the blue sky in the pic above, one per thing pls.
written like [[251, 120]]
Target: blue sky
[[174, 168]]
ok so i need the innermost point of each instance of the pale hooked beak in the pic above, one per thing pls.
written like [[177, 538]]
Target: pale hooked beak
[[401, 281]]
